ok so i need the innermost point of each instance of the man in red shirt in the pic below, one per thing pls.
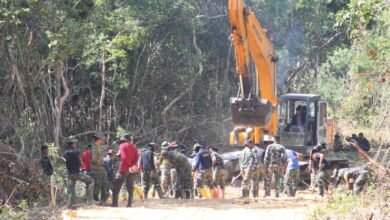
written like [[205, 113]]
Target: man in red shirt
[[86, 159], [127, 169]]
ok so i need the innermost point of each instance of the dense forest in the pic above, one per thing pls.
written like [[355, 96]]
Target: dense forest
[[165, 69]]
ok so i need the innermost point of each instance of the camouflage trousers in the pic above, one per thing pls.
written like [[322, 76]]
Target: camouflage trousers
[[89, 182], [291, 181], [184, 184], [261, 172], [101, 184], [150, 178], [323, 180], [277, 172], [250, 180], [204, 178], [360, 181], [219, 178], [168, 178]]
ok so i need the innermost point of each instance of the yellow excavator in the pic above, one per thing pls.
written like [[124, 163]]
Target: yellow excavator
[[299, 119]]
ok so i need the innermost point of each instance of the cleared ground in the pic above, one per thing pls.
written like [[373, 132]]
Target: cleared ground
[[232, 207]]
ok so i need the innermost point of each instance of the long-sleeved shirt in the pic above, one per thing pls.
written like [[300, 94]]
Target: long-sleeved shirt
[[147, 160], [274, 155], [46, 166], [247, 158], [344, 173], [292, 160], [129, 156], [202, 160], [86, 159], [73, 162]]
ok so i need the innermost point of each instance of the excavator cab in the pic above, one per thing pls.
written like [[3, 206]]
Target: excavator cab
[[302, 121]]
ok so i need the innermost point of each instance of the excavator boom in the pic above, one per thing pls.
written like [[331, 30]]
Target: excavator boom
[[255, 104]]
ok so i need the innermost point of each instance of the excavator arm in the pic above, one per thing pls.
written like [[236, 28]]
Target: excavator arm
[[256, 102]]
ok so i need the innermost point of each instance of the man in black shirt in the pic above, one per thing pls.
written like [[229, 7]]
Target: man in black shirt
[[73, 165], [322, 168], [149, 171]]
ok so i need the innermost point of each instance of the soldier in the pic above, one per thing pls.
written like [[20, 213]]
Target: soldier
[[98, 172], [313, 170], [291, 178], [322, 167], [218, 172], [363, 142], [238, 129], [183, 185], [259, 162], [149, 172], [248, 170], [165, 170], [127, 169], [273, 161], [204, 175], [73, 165], [355, 178], [337, 143]]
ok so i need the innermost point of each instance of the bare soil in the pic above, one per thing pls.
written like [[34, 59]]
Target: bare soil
[[233, 207]]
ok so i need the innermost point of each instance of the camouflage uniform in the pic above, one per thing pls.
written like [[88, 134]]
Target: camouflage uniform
[[184, 182], [323, 173], [249, 173], [218, 173], [361, 177], [89, 182], [259, 162], [165, 174], [273, 160], [98, 173]]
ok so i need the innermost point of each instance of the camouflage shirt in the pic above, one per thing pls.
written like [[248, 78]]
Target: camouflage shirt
[[97, 157], [247, 158], [274, 155]]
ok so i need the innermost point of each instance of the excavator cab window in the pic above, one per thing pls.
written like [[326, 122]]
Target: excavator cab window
[[292, 122]]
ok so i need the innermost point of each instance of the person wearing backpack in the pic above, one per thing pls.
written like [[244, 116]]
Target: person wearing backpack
[[218, 173]]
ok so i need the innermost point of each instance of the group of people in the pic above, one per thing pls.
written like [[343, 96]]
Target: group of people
[[359, 139], [282, 164], [171, 173], [262, 164]]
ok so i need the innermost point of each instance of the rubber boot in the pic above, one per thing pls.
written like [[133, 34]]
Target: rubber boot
[[177, 194], [212, 193], [222, 194], [203, 192], [145, 194], [115, 200]]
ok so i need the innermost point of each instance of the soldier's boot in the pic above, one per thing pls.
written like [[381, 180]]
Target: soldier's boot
[[159, 193], [177, 194], [245, 193], [255, 193], [145, 193], [321, 190], [276, 193], [129, 200], [115, 199], [203, 192]]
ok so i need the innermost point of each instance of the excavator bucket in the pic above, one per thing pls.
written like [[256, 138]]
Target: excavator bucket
[[251, 112]]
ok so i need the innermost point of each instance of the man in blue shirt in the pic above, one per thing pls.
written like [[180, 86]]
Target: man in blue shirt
[[291, 178], [204, 175]]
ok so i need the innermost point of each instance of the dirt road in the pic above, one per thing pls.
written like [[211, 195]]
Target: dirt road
[[200, 209]]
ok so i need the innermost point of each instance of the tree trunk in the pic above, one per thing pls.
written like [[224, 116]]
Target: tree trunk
[[102, 94], [59, 101]]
